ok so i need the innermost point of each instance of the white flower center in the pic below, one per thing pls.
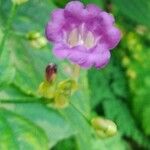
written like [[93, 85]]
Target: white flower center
[[80, 36]]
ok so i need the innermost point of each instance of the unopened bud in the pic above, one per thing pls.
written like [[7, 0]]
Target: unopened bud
[[104, 127], [63, 93], [36, 39], [50, 72], [33, 35], [19, 2], [46, 90]]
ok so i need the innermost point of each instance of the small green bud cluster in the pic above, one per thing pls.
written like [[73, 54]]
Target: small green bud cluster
[[63, 92], [36, 40], [59, 93], [104, 127]]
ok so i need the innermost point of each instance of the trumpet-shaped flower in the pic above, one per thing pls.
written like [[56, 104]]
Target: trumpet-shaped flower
[[83, 35]]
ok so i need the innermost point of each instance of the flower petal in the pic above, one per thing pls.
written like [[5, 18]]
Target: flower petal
[[112, 37], [98, 57], [78, 54], [100, 62], [60, 50], [54, 27], [93, 9], [73, 8], [58, 15], [52, 32], [106, 19]]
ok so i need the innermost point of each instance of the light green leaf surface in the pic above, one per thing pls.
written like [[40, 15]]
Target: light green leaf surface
[[137, 10], [20, 133], [116, 144]]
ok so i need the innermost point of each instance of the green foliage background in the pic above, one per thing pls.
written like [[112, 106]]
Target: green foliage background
[[119, 92]]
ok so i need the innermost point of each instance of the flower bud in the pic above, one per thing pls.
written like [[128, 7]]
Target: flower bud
[[63, 93], [46, 90], [104, 127], [36, 39], [19, 2], [61, 100], [50, 72]]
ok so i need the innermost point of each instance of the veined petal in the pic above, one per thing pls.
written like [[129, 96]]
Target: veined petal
[[98, 58], [112, 37], [60, 50], [106, 19], [100, 62], [77, 54], [93, 9], [74, 8], [52, 32], [58, 16]]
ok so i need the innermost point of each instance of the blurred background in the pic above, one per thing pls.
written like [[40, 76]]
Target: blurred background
[[119, 92]]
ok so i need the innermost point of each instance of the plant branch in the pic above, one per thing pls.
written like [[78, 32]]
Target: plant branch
[[25, 100], [84, 116]]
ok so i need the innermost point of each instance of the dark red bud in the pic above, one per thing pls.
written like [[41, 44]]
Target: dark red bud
[[50, 72]]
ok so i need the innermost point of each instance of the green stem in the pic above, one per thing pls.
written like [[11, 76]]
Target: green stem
[[7, 28], [15, 101], [75, 76], [76, 72], [25, 100], [84, 116]]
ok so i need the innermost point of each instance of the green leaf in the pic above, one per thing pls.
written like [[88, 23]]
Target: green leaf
[[139, 84], [20, 133], [146, 119], [61, 3], [138, 10], [106, 82], [99, 3], [112, 102], [110, 144], [6, 138], [67, 144], [32, 15], [21, 64], [13, 93], [80, 125], [124, 120], [48, 119]]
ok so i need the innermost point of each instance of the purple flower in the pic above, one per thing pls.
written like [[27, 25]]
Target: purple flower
[[83, 35]]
